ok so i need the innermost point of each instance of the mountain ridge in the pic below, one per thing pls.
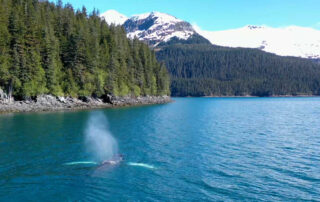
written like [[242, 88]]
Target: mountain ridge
[[157, 28]]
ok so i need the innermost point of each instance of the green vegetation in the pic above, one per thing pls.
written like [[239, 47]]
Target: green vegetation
[[48, 48], [205, 70]]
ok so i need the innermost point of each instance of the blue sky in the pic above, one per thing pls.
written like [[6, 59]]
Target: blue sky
[[219, 14]]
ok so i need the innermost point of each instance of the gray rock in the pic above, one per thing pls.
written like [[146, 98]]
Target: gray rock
[[61, 99], [47, 100], [3, 95], [52, 103]]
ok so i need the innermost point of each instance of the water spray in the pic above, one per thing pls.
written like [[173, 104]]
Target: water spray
[[99, 141]]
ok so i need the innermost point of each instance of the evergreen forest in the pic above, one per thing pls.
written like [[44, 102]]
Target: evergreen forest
[[50, 48], [202, 69]]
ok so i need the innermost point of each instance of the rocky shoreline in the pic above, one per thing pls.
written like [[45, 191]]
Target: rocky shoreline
[[45, 103]]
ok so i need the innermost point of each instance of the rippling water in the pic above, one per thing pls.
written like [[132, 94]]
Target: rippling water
[[193, 149]]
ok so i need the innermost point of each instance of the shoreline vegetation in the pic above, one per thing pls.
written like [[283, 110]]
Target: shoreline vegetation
[[50, 103], [54, 57]]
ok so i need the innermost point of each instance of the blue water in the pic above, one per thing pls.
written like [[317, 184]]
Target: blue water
[[194, 149]]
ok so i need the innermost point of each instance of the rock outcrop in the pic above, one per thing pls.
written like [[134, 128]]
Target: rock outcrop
[[53, 103], [127, 101], [3, 97], [2, 94]]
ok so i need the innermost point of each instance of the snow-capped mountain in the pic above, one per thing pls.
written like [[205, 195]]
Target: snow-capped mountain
[[114, 17], [288, 41], [156, 27]]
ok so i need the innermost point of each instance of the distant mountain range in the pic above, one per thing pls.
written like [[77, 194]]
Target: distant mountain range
[[157, 28], [287, 41], [249, 61]]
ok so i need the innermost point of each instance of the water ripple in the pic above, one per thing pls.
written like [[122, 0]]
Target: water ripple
[[203, 149]]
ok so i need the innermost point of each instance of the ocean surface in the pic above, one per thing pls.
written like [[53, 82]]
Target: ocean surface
[[194, 149]]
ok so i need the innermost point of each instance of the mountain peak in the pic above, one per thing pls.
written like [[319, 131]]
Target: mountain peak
[[163, 17], [114, 17], [156, 27]]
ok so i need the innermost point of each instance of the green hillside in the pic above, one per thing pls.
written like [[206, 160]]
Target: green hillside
[[202, 69], [48, 48]]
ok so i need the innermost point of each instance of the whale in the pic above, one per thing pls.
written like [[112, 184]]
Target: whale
[[109, 164]]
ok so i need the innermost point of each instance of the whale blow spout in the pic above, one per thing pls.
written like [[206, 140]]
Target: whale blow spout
[[99, 141]]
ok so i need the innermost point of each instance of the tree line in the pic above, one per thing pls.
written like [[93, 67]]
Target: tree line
[[50, 48]]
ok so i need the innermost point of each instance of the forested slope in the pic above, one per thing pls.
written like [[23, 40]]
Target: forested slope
[[206, 70], [48, 48]]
